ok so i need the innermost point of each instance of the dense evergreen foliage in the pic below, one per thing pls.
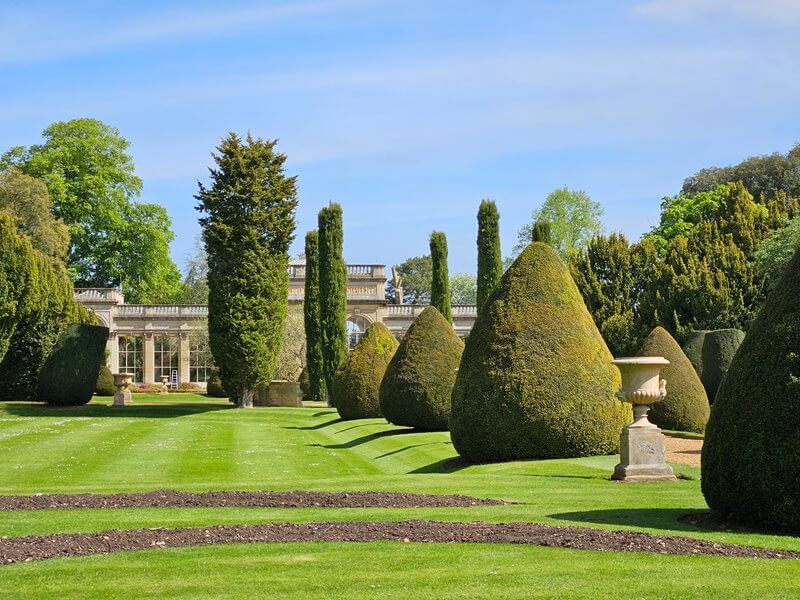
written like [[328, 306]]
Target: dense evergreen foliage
[[69, 375], [536, 379], [105, 382], [440, 280], [711, 353], [311, 319], [490, 260], [248, 224], [686, 406], [356, 386], [333, 294], [751, 457], [16, 274], [542, 232], [214, 387], [418, 382]]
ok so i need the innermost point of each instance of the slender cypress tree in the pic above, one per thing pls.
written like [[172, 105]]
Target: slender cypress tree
[[440, 285], [490, 261], [333, 294], [311, 316], [248, 225], [542, 232]]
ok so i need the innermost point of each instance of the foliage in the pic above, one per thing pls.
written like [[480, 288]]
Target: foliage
[[440, 279], [305, 384], [693, 349], [114, 241], [763, 176], [490, 260], [774, 252], [248, 225], [16, 277], [69, 375], [686, 406], [333, 294], [711, 353], [463, 288], [313, 325], [416, 274], [214, 387], [536, 379], [416, 388], [542, 232], [357, 383], [751, 459], [574, 220], [194, 289], [104, 386], [26, 200], [292, 356]]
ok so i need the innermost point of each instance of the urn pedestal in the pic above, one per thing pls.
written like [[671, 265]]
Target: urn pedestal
[[123, 395], [642, 451], [164, 389]]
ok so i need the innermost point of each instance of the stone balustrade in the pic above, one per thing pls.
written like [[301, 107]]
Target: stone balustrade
[[162, 310]]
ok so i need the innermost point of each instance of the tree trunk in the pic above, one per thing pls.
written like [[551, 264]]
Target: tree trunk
[[246, 398]]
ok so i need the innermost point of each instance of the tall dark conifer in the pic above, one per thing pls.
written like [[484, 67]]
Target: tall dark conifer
[[311, 314], [333, 294], [248, 225], [440, 284], [490, 260]]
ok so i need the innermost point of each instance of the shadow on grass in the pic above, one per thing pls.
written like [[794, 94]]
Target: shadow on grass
[[366, 438], [404, 448], [444, 466], [656, 518], [317, 426], [149, 411]]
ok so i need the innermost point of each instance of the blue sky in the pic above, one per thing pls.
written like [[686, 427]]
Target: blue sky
[[409, 112]]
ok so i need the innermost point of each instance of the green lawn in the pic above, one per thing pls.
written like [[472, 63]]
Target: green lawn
[[193, 443]]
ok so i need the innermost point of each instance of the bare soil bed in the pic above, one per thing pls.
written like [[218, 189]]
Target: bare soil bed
[[172, 499], [31, 548]]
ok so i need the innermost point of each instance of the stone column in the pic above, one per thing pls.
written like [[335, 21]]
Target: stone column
[[149, 358], [183, 357], [113, 352]]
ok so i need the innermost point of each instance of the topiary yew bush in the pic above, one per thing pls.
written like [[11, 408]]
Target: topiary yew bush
[[416, 387], [536, 379], [357, 384], [686, 406], [693, 349], [69, 375], [711, 353], [751, 455], [105, 382], [214, 387]]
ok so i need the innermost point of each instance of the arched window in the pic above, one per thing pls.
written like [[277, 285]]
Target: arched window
[[356, 326]]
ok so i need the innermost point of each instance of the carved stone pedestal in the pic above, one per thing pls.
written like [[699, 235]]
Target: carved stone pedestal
[[123, 395], [642, 456], [164, 389]]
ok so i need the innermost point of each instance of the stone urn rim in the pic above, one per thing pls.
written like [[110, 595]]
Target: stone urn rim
[[641, 360]]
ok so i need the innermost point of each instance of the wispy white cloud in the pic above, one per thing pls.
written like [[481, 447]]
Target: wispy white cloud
[[784, 13], [22, 41]]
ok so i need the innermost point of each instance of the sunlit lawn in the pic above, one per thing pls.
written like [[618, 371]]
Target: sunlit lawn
[[190, 442]]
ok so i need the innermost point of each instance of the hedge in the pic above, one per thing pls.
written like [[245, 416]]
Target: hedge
[[536, 379], [69, 375], [686, 406], [751, 455], [357, 384], [105, 382], [416, 387], [711, 353]]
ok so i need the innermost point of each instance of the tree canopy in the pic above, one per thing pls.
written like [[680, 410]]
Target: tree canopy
[[416, 273]]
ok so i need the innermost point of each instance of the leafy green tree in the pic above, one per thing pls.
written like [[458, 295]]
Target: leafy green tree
[[416, 274], [774, 253], [574, 219], [27, 201], [463, 288], [248, 224], [440, 281], [311, 314], [333, 294], [490, 260], [114, 241], [681, 214], [16, 279]]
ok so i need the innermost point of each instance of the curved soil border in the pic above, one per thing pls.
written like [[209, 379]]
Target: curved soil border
[[296, 499], [30, 548]]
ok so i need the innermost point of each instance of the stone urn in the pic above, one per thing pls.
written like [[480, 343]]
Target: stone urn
[[642, 451], [164, 389], [123, 395]]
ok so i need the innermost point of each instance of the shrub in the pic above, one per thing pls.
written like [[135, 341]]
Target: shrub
[[693, 349], [536, 379], [711, 353], [686, 406], [105, 382], [144, 388], [751, 456], [186, 386], [69, 374], [16, 274], [214, 388], [305, 384], [416, 387], [356, 386]]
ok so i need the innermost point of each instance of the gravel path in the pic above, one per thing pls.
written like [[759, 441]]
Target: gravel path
[[683, 451]]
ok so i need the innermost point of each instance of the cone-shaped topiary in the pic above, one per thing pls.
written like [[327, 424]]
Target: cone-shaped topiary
[[416, 388], [711, 353], [69, 375], [693, 349], [105, 383], [686, 406], [357, 384], [536, 379], [751, 456]]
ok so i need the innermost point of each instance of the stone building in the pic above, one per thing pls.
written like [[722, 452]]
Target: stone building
[[152, 340]]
